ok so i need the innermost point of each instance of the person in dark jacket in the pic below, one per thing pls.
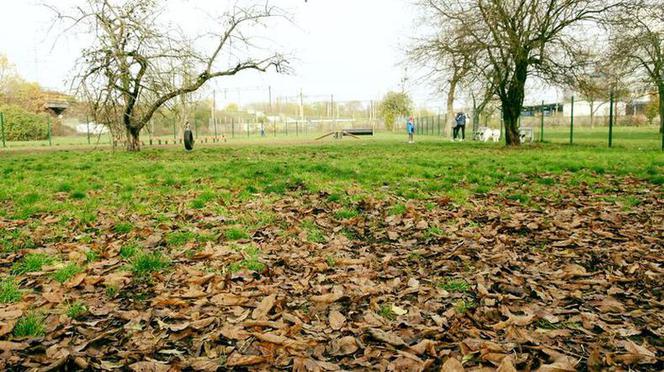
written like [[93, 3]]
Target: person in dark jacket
[[460, 126]]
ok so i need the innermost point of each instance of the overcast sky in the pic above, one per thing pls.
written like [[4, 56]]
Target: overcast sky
[[352, 49]]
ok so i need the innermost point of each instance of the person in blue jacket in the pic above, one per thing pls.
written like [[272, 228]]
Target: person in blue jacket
[[410, 127], [460, 121]]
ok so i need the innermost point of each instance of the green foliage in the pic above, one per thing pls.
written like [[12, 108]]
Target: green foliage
[[67, 272], [463, 306], [180, 238], [397, 210], [32, 263], [30, 325], [21, 125], [9, 291], [652, 108], [393, 106]]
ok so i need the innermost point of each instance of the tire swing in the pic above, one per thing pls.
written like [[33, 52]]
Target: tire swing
[[188, 138]]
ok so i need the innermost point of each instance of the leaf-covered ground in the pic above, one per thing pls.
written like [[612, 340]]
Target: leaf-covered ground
[[337, 257]]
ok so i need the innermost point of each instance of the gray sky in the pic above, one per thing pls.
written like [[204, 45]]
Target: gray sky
[[349, 48]]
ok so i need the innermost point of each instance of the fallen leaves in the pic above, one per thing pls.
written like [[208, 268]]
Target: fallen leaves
[[569, 284]]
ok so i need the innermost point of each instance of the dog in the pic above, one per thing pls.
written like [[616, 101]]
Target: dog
[[488, 134]]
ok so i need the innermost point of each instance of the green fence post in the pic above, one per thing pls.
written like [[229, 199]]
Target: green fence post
[[571, 124], [611, 120], [2, 128], [542, 122], [48, 121]]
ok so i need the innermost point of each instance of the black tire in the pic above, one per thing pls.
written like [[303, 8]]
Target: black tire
[[188, 140]]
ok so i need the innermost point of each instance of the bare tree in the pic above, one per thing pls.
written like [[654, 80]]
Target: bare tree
[[638, 44], [135, 55], [510, 40], [447, 63]]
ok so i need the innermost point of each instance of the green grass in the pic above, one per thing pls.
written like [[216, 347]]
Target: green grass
[[386, 312], [143, 264], [314, 234], [129, 250], [345, 213], [455, 285], [32, 263], [64, 274], [76, 310], [236, 233], [30, 325], [123, 228], [251, 261], [9, 291]]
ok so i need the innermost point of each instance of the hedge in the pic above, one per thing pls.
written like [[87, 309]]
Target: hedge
[[21, 125]]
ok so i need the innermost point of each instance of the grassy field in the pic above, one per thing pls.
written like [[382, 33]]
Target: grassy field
[[343, 254], [647, 138]]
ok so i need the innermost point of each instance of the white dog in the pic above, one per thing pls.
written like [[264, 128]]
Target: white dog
[[488, 134]]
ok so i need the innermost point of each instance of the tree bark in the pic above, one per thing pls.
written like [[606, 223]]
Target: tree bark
[[661, 110], [512, 103], [450, 106], [592, 114], [133, 139]]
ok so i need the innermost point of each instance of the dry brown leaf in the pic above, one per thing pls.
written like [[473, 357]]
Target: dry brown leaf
[[228, 299], [342, 346], [239, 360], [452, 365], [336, 320], [386, 337], [264, 307]]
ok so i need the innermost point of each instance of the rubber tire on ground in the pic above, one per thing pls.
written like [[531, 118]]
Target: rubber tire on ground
[[188, 140]]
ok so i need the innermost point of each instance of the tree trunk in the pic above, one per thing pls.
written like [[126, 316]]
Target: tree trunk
[[512, 102], [661, 110], [592, 114], [450, 107], [133, 140]]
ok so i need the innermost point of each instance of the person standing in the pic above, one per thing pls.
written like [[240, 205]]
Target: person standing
[[410, 127], [460, 121]]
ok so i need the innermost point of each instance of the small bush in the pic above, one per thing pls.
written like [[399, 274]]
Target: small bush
[[128, 251]]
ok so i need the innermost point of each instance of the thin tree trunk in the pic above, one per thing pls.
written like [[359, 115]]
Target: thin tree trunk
[[450, 107], [592, 114], [661, 109]]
